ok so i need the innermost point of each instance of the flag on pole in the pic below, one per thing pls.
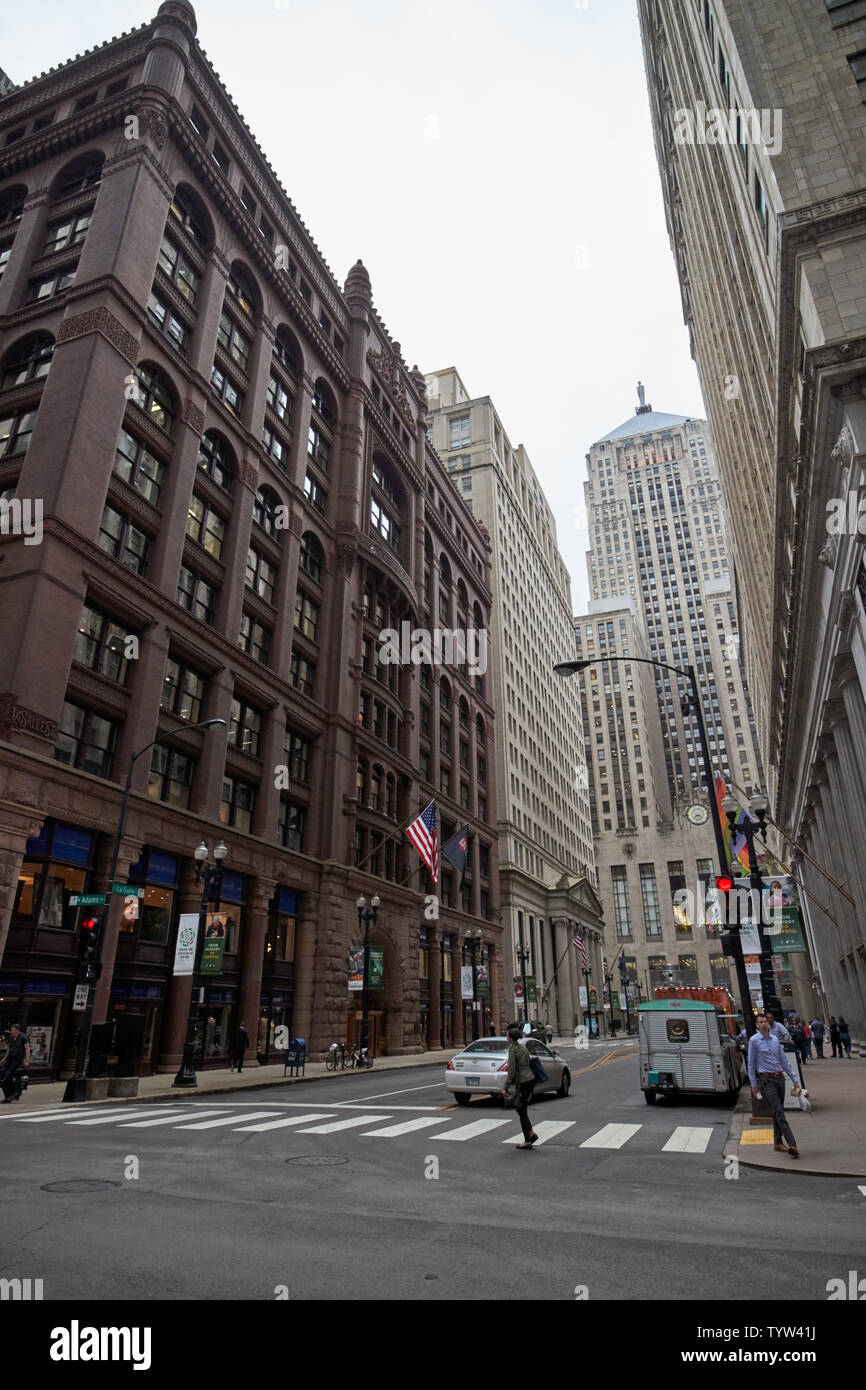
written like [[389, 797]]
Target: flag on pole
[[457, 851], [422, 833], [578, 942], [736, 846]]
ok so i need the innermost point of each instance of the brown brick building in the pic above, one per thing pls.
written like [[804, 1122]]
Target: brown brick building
[[215, 492]]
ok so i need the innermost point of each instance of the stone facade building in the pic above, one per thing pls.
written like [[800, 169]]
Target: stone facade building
[[216, 492], [767, 219], [547, 877], [658, 573]]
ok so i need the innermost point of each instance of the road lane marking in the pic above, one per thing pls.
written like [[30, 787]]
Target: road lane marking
[[355, 1121], [167, 1119], [114, 1117], [471, 1131], [688, 1139], [228, 1120], [863, 1190], [383, 1095], [545, 1129], [407, 1127], [611, 1137], [280, 1124], [40, 1119]]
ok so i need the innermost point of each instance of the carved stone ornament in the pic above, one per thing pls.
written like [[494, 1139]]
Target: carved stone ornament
[[101, 321], [827, 553], [387, 364], [194, 417], [249, 474], [843, 450], [152, 123], [346, 553]]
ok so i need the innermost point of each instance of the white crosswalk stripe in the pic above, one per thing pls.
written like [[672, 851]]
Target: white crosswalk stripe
[[113, 1117], [545, 1129], [472, 1131], [229, 1120], [407, 1127], [166, 1119], [43, 1119], [611, 1137], [688, 1139], [344, 1124], [279, 1124]]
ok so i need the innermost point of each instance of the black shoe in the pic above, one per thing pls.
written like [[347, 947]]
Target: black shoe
[[6, 1101]]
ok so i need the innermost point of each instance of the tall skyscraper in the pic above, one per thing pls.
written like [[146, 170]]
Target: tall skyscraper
[[547, 875], [759, 114], [658, 573]]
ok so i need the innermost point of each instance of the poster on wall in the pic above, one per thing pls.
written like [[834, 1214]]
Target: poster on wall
[[375, 968], [40, 1045], [214, 944], [466, 991], [356, 968]]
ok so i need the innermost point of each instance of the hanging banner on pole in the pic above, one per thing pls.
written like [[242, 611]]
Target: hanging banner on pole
[[184, 951]]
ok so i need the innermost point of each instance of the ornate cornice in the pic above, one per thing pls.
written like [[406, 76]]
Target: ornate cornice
[[103, 322]]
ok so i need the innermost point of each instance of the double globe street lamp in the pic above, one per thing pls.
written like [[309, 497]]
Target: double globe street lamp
[[366, 916], [471, 943], [210, 876], [755, 822]]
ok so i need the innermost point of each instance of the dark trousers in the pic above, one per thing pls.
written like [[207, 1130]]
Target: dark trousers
[[238, 1060], [837, 1050], [845, 1041], [773, 1090], [524, 1095], [819, 1046], [11, 1083]]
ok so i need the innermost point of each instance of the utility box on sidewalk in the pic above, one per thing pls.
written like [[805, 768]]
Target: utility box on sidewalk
[[296, 1057]]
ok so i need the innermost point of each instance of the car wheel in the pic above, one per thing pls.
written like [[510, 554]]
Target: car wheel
[[565, 1083], [461, 1097], [649, 1097]]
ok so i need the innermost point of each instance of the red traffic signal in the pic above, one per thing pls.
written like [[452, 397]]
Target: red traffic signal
[[90, 924], [724, 884]]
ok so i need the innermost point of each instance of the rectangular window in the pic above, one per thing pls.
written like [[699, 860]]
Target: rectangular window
[[650, 898], [85, 740], [619, 882], [238, 803], [245, 727], [205, 526], [174, 264], [306, 616], [197, 596], [298, 756], [459, 427], [303, 674], [182, 691], [255, 639], [279, 400], [48, 285], [70, 232], [679, 898], [100, 644], [171, 775], [292, 824], [319, 448], [198, 123], [220, 158], [137, 466], [260, 575], [315, 493], [119, 538], [233, 341], [167, 321]]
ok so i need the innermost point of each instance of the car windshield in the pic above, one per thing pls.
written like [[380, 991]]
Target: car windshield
[[488, 1045]]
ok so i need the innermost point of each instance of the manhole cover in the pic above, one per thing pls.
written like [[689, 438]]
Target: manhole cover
[[79, 1185], [317, 1160]]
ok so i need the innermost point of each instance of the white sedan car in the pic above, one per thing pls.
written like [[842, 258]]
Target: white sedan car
[[482, 1069]]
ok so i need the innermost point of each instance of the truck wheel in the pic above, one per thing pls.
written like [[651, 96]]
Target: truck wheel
[[649, 1097]]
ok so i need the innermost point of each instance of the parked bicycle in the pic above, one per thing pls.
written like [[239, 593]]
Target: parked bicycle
[[336, 1057], [359, 1059]]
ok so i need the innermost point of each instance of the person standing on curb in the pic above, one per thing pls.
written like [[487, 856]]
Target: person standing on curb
[[844, 1037], [16, 1061], [520, 1078], [241, 1043], [767, 1067], [817, 1027]]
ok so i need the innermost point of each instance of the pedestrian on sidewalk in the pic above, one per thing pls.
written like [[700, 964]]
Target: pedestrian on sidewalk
[[834, 1037], [767, 1067], [239, 1047], [15, 1063], [778, 1030], [807, 1048], [522, 1080], [817, 1026], [844, 1037], [548, 1033]]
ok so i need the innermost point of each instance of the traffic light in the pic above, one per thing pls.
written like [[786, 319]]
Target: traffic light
[[89, 968], [724, 884], [729, 943]]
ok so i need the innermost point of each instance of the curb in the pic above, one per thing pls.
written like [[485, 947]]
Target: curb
[[796, 1164]]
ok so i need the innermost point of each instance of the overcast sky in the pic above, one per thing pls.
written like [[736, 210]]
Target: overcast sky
[[491, 162]]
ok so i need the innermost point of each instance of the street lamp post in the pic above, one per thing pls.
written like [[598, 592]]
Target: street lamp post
[[210, 876], [586, 972], [692, 703], [522, 957], [757, 812], [366, 917], [471, 943], [76, 1086]]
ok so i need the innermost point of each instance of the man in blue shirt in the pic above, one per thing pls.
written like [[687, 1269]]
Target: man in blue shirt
[[777, 1030], [767, 1067]]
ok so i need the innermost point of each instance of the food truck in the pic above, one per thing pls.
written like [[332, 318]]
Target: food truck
[[687, 1048]]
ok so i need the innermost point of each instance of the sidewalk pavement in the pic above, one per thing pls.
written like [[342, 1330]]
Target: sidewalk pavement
[[831, 1138], [218, 1082]]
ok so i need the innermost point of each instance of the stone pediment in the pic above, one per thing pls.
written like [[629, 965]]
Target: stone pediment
[[574, 898]]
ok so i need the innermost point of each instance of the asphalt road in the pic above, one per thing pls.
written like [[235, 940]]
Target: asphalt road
[[227, 1211]]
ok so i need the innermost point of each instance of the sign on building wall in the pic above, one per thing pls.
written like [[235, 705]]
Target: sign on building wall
[[187, 936], [466, 991]]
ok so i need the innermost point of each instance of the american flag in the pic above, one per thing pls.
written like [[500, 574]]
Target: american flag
[[578, 942], [422, 833]]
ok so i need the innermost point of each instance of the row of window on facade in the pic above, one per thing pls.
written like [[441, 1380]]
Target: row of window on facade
[[682, 897]]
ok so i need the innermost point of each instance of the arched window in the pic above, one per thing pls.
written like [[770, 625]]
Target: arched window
[[480, 731], [265, 509], [27, 360], [462, 597], [477, 617], [464, 713], [444, 572], [216, 458], [444, 694], [287, 353], [12, 203], [243, 290], [324, 403], [84, 172], [312, 556], [154, 397], [189, 211]]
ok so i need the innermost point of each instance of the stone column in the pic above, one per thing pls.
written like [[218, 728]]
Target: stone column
[[306, 932], [434, 977], [18, 824], [456, 994], [255, 934]]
